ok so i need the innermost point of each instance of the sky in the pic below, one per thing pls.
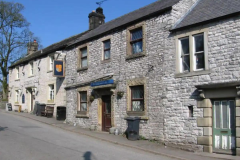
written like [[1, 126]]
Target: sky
[[55, 20]]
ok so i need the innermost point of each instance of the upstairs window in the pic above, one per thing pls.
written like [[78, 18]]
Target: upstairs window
[[51, 92], [136, 40], [17, 74], [31, 69], [106, 50], [185, 55], [17, 96], [198, 51], [83, 57], [51, 58], [192, 53]]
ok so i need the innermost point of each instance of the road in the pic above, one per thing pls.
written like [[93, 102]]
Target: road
[[25, 139]]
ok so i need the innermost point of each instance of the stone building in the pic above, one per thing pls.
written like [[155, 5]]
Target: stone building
[[174, 64], [31, 78]]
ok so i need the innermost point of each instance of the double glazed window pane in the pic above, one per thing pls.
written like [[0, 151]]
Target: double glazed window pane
[[136, 41], [137, 98], [185, 54]]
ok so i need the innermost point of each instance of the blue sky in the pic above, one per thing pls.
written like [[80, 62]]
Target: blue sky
[[55, 20]]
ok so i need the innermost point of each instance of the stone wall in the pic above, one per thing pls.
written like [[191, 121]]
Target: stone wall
[[166, 117], [179, 93], [40, 80]]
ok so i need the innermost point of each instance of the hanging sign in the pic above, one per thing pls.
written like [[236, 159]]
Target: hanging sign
[[59, 70], [100, 83]]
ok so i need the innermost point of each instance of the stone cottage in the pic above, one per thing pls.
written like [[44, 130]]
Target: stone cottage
[[172, 63], [31, 78]]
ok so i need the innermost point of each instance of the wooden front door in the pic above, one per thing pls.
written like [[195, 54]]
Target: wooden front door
[[224, 130], [106, 113]]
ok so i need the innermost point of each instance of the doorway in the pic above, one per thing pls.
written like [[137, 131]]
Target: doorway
[[224, 129], [106, 113]]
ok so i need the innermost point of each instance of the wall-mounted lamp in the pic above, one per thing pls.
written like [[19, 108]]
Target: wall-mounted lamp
[[38, 68]]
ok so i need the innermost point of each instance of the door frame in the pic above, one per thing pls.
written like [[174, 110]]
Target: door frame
[[103, 117], [215, 150]]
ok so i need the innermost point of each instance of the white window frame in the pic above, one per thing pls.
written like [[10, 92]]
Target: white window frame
[[17, 74], [17, 96], [51, 59], [51, 93], [191, 35], [31, 68]]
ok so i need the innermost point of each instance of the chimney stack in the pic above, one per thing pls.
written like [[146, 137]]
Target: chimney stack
[[32, 47], [96, 18]]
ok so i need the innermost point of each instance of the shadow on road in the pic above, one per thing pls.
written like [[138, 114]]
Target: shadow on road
[[2, 128], [89, 156]]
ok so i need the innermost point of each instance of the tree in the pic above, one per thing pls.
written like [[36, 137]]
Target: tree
[[14, 36]]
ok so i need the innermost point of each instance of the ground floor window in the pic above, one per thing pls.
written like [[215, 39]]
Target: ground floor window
[[17, 96], [51, 92], [137, 98], [83, 101]]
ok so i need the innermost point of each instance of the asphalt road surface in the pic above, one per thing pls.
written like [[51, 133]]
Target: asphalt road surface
[[25, 139]]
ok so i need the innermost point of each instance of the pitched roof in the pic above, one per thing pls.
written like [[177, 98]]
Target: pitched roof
[[52, 48], [208, 10], [142, 13]]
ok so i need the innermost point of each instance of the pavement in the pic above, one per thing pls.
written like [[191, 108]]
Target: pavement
[[143, 145]]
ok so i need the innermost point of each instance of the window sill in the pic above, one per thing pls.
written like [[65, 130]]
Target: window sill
[[105, 61], [82, 69], [194, 73], [17, 79], [49, 71], [50, 101], [82, 114], [141, 117], [137, 55], [133, 113], [31, 76]]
